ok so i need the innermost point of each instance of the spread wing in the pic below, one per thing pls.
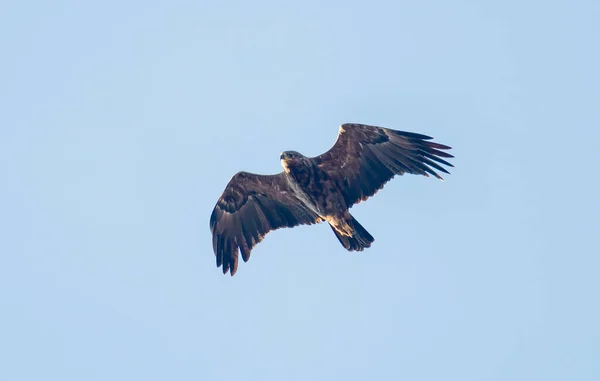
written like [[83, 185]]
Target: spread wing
[[365, 157], [250, 207]]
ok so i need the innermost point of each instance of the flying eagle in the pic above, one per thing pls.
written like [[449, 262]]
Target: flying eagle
[[316, 189]]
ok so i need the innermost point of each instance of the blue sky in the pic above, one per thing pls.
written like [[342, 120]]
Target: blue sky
[[121, 123]]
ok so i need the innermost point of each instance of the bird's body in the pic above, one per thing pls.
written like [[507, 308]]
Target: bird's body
[[317, 189], [313, 186]]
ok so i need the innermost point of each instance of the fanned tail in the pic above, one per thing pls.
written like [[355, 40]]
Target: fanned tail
[[359, 240]]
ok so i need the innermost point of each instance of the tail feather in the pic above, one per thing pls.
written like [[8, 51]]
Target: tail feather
[[360, 239]]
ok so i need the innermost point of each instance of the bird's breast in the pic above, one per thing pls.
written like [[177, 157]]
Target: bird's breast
[[301, 194]]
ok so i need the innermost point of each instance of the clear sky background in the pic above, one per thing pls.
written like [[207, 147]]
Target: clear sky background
[[121, 124]]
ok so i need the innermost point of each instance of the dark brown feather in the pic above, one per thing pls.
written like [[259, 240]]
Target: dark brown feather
[[250, 207], [364, 158]]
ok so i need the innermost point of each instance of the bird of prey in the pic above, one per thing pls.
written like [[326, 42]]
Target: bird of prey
[[311, 190]]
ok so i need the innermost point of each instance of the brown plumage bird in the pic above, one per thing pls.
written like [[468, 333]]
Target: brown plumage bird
[[317, 189]]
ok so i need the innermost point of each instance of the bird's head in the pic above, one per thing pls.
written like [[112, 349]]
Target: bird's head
[[290, 157], [287, 155]]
